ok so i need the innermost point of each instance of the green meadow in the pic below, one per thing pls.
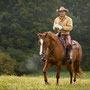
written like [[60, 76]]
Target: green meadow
[[35, 81]]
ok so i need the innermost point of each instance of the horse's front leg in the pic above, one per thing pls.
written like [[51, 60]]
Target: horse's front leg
[[75, 77], [47, 65]]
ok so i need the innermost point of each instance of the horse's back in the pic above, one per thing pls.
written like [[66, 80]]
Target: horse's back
[[77, 51]]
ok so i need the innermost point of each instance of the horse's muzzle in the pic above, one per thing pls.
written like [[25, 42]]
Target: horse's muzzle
[[41, 53]]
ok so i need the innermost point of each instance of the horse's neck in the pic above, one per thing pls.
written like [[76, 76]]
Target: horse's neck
[[55, 43], [52, 44], [55, 49]]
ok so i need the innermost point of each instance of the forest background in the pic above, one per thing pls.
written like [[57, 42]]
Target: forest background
[[21, 20]]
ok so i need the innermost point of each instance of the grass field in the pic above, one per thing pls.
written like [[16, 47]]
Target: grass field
[[35, 82]]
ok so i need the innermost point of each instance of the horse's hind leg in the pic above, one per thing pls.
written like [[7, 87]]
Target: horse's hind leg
[[58, 72], [44, 71], [69, 67], [76, 68], [75, 77]]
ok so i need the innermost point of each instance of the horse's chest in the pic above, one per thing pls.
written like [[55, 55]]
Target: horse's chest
[[52, 59]]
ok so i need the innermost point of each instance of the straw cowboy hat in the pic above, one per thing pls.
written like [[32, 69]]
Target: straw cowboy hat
[[62, 9]]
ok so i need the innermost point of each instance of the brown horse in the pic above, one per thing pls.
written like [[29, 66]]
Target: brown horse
[[55, 54]]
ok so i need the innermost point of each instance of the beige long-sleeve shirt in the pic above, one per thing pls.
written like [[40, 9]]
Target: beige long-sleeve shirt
[[65, 22]]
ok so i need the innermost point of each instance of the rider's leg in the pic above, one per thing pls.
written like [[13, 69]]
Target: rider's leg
[[68, 48], [58, 34], [69, 52]]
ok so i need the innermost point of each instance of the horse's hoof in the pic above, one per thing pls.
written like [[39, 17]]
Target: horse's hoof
[[70, 82], [75, 83], [74, 80], [47, 83], [57, 84]]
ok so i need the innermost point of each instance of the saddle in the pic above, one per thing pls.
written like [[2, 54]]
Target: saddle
[[61, 37], [67, 52]]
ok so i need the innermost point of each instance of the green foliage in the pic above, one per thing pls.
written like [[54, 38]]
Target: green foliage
[[21, 20], [7, 64]]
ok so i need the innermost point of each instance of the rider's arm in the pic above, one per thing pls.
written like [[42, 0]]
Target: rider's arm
[[69, 25], [54, 25], [55, 22]]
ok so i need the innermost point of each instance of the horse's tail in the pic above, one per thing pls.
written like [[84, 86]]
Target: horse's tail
[[78, 70]]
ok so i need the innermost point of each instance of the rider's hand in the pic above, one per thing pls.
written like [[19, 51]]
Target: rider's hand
[[56, 26], [60, 27]]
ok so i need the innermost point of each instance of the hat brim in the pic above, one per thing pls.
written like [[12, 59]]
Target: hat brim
[[66, 10]]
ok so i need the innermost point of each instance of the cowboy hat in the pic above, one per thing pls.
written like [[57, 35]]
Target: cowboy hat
[[62, 9]]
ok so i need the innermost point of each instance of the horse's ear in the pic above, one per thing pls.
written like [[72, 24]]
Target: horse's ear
[[39, 35], [46, 34]]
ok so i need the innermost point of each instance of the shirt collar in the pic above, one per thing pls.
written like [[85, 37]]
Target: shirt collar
[[62, 18]]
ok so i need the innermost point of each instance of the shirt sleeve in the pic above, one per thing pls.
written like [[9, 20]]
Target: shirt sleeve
[[69, 25], [54, 24]]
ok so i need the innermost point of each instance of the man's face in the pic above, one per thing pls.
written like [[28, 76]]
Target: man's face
[[62, 13]]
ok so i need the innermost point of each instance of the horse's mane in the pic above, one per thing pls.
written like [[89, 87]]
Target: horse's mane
[[52, 35]]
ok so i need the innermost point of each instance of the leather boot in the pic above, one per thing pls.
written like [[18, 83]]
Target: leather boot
[[68, 55]]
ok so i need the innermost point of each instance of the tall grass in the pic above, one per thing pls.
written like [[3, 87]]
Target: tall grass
[[35, 81]]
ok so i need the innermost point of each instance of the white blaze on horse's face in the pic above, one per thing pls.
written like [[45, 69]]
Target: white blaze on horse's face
[[41, 46]]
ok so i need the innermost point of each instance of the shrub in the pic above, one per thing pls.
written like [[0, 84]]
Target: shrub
[[7, 64]]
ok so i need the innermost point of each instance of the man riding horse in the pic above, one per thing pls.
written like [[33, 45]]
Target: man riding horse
[[63, 25], [56, 53]]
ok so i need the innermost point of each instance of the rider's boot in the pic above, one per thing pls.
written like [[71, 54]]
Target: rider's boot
[[69, 55]]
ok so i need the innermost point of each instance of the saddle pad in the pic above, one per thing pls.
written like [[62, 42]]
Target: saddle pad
[[74, 43]]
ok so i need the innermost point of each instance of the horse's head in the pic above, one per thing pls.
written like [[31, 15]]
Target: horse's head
[[44, 41]]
